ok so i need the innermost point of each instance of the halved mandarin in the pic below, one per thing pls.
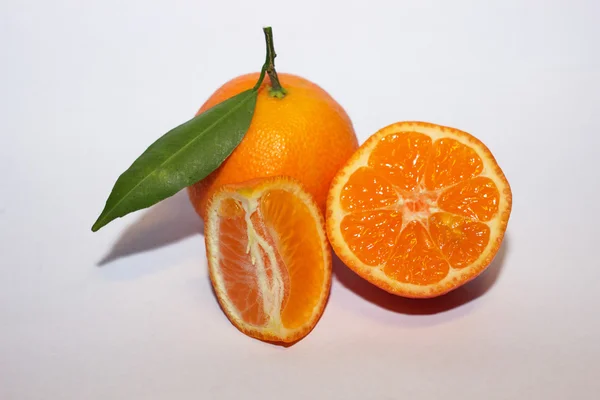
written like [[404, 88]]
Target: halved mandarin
[[268, 258], [419, 209]]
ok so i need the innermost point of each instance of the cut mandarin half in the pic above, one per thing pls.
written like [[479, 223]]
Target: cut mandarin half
[[419, 209], [268, 257]]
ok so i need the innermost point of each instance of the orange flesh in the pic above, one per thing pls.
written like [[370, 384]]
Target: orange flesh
[[289, 230], [236, 265], [418, 208]]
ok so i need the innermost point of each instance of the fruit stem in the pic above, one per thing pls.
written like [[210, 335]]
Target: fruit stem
[[276, 90]]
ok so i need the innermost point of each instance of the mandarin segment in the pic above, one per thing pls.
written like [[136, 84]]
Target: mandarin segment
[[451, 162], [371, 235], [238, 270], [477, 198], [290, 220], [416, 259], [460, 240], [367, 190], [402, 158], [268, 257]]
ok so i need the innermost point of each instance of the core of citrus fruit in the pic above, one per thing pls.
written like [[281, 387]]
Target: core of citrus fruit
[[306, 135], [419, 209], [268, 257]]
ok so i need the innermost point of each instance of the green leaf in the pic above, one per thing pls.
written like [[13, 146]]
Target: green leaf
[[181, 157]]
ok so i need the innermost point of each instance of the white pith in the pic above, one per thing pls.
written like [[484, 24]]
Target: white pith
[[272, 290], [489, 170]]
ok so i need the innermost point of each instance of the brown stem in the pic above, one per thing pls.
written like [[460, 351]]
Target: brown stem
[[276, 89]]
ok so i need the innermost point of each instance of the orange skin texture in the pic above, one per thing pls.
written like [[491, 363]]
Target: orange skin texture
[[306, 135]]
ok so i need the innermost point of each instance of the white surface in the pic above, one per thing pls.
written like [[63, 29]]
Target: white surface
[[86, 86]]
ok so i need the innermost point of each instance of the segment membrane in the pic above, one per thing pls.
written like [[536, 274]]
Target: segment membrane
[[278, 279], [451, 162], [238, 270], [416, 259], [371, 235], [477, 198], [293, 228], [460, 239], [401, 158], [367, 190]]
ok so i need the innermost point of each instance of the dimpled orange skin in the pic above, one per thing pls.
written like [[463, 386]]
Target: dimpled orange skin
[[306, 135]]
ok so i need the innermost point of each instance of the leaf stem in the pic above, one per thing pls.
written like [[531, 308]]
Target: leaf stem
[[276, 90]]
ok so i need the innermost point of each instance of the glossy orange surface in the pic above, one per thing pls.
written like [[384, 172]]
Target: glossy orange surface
[[306, 135]]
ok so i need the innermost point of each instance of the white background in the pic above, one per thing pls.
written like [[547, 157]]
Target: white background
[[128, 313]]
